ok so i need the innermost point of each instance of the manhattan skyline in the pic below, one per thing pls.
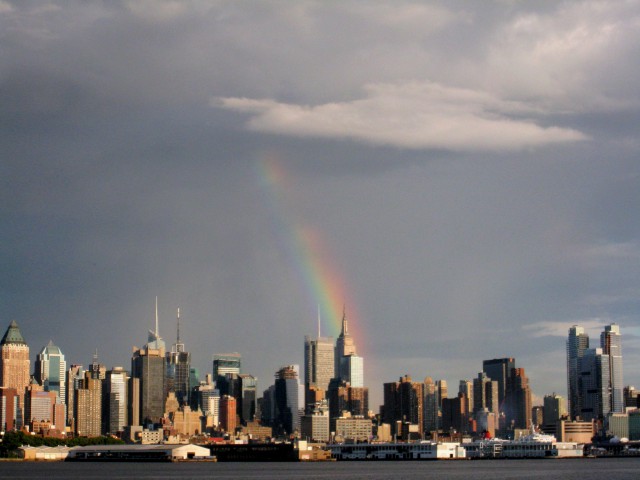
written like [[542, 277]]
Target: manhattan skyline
[[462, 177]]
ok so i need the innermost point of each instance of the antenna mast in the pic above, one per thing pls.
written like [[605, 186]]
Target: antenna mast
[[156, 316]]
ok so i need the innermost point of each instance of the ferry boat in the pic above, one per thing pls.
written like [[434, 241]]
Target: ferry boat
[[397, 451], [533, 445]]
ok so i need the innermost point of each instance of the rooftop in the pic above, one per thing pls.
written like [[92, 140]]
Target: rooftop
[[13, 335]]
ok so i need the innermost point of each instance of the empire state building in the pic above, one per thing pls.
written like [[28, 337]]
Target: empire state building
[[348, 365], [344, 344]]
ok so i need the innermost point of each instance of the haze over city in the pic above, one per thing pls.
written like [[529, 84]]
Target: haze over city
[[461, 177]]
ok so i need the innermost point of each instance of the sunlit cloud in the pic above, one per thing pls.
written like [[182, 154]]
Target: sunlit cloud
[[412, 115]]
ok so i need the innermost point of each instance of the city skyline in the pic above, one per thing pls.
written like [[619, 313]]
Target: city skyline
[[231, 363], [462, 176]]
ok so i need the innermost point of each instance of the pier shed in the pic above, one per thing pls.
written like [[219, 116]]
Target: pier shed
[[138, 453]]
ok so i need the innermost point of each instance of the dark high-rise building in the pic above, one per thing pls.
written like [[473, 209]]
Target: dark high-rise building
[[338, 396], [403, 402], [248, 393], [287, 398], [268, 408], [358, 401], [537, 415], [345, 398], [178, 369], [611, 343], [553, 409], [595, 384], [518, 399], [454, 414], [631, 397], [485, 394], [499, 370], [577, 343], [224, 363], [431, 405], [149, 366]]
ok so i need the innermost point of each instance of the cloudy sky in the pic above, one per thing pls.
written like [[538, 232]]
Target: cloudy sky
[[463, 176]]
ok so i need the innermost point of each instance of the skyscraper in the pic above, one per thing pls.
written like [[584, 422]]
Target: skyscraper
[[611, 343], [403, 402], [228, 413], [224, 363], [485, 394], [594, 384], [455, 416], [8, 405], [466, 387], [39, 409], [75, 374], [577, 343], [178, 367], [499, 369], [51, 371], [319, 369], [431, 405], [88, 403], [248, 393], [345, 345], [518, 399], [149, 366], [554, 409], [287, 400], [352, 370], [15, 365], [114, 401]]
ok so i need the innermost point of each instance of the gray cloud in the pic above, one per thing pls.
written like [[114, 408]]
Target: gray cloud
[[119, 182]]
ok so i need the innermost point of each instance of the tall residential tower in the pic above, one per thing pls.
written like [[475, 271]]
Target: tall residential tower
[[611, 343], [577, 343]]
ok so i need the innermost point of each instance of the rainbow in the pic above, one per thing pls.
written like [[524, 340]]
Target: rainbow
[[308, 254]]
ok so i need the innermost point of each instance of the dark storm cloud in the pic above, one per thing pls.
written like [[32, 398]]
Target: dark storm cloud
[[121, 182]]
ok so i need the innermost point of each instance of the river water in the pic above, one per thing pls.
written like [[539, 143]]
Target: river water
[[578, 469]]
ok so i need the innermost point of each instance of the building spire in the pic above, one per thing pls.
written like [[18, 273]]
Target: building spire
[[178, 336], [345, 328], [156, 316], [318, 320], [179, 346], [95, 366]]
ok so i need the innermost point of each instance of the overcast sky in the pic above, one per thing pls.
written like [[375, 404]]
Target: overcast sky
[[469, 171]]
